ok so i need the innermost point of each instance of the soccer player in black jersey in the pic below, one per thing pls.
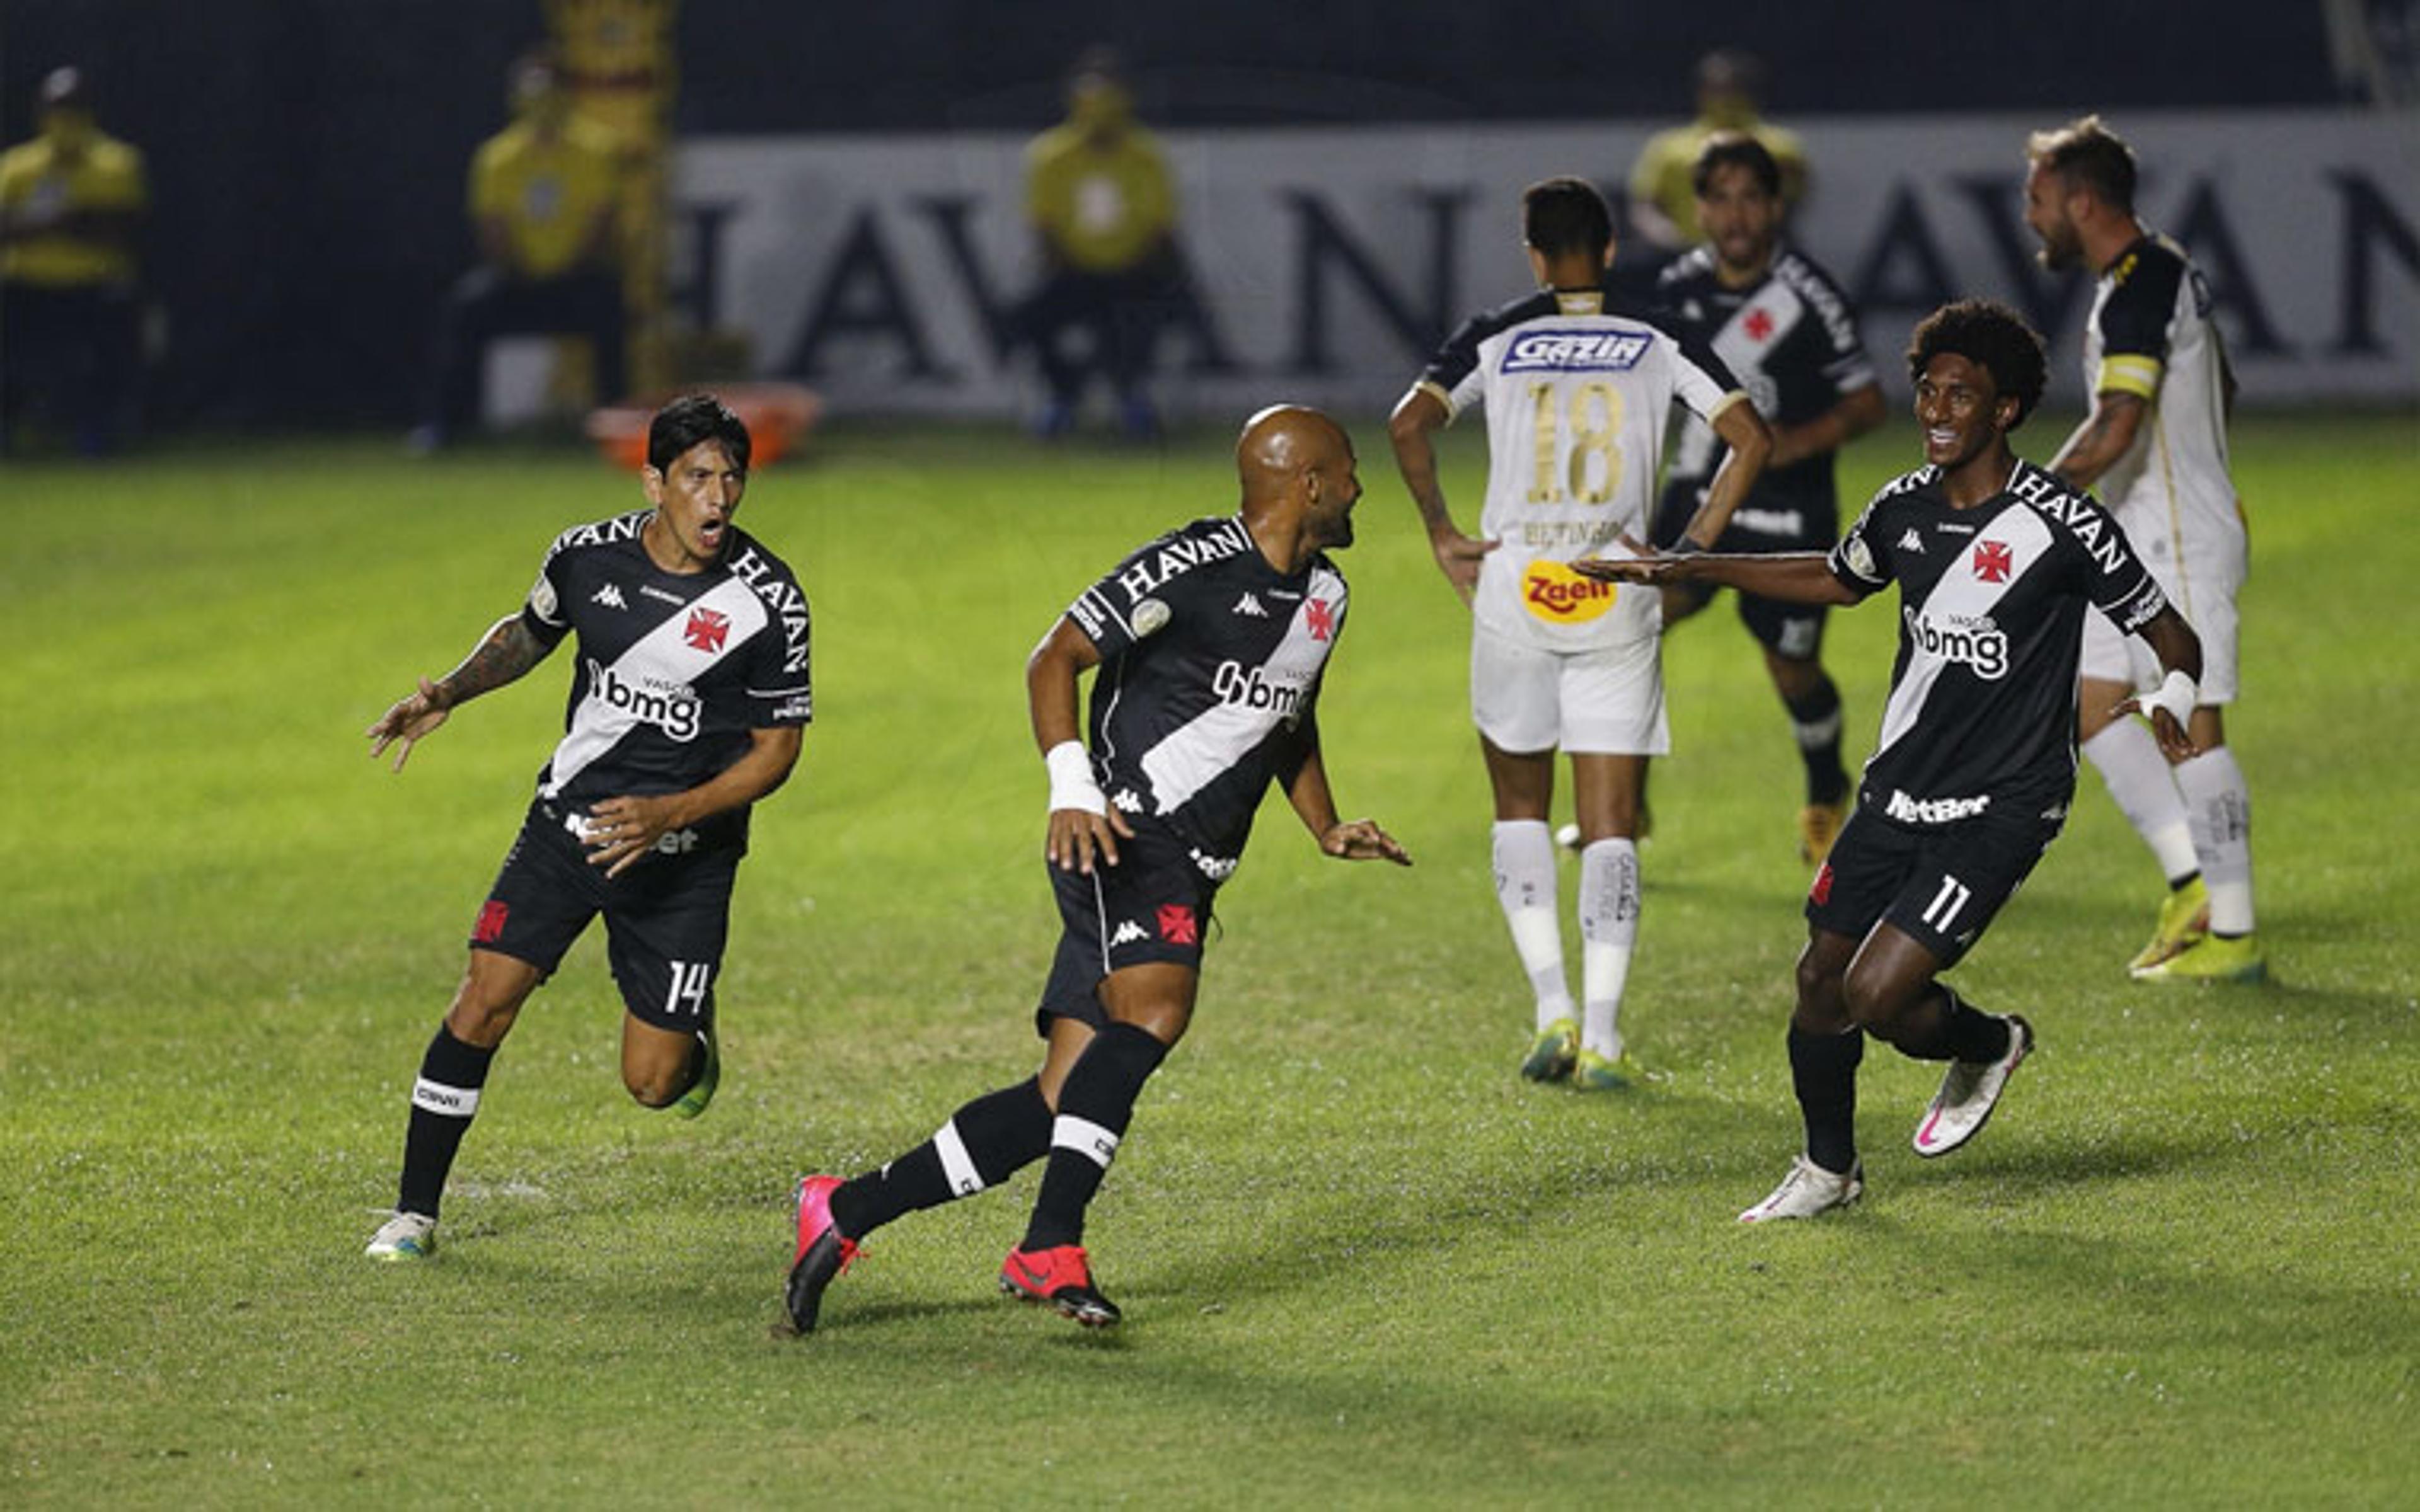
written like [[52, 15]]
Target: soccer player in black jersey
[[1997, 563], [1209, 644], [687, 706], [1789, 336]]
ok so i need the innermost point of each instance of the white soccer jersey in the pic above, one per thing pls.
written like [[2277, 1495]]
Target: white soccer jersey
[[2151, 335], [1577, 402]]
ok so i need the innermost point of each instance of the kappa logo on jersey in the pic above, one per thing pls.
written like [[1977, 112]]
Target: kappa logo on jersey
[[1128, 800], [1319, 618], [1251, 608], [490, 927], [1177, 926], [1912, 542], [1993, 560], [1129, 933], [706, 629], [1575, 351], [610, 595], [1971, 642], [1559, 595]]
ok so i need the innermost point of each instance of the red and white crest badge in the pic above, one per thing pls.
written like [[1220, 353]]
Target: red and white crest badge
[[706, 629], [1993, 560]]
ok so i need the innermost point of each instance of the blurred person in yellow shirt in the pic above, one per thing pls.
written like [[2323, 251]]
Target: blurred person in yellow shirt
[[1103, 206], [542, 194], [71, 201], [1662, 184]]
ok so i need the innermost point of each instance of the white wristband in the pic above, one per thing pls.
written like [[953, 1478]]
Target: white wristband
[[2177, 694], [1071, 778]]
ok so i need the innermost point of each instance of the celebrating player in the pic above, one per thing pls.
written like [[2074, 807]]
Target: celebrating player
[[686, 708], [1785, 331], [2156, 442], [1997, 562], [1577, 400], [1210, 642]]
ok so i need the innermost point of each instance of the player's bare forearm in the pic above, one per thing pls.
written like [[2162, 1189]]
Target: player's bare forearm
[[1751, 443], [507, 651], [504, 654], [1306, 789], [621, 830], [1835, 427], [1794, 577], [2101, 440], [1417, 416], [1052, 672]]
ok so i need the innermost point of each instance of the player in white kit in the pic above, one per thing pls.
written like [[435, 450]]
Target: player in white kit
[[1577, 400], [2154, 448]]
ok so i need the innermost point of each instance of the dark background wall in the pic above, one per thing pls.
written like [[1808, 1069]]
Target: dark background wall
[[306, 156]]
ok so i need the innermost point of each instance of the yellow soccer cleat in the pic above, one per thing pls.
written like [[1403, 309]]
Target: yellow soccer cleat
[[1819, 824], [2184, 920], [1553, 1052], [2212, 958], [1593, 1073]]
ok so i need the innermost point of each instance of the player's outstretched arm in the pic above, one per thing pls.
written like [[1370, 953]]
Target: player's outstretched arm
[[1306, 784], [1797, 577], [507, 651], [1418, 417], [1081, 821], [1751, 443], [2170, 709], [1857, 412]]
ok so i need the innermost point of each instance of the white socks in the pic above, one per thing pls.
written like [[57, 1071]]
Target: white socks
[[2219, 807], [1608, 933], [2145, 789], [1524, 887]]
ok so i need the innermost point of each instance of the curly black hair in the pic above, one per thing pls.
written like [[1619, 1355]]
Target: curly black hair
[[1990, 334]]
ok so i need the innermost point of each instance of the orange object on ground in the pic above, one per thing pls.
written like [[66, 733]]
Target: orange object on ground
[[777, 415]]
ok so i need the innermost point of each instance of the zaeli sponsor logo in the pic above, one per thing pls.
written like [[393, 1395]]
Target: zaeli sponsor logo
[[1556, 594]]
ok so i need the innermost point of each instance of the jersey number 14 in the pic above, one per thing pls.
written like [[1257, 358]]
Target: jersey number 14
[[1593, 413]]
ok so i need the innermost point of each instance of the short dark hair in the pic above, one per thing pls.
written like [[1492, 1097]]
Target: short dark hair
[[1564, 215], [2085, 152], [1735, 149], [688, 421], [1990, 334]]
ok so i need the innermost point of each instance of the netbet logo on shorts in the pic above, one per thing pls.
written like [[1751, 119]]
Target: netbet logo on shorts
[[1575, 351], [670, 707], [1978, 643], [1559, 595]]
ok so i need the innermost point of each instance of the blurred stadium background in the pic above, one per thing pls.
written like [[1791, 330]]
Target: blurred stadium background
[[844, 178]]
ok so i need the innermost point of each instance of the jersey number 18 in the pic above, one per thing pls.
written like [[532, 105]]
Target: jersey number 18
[[1551, 485]]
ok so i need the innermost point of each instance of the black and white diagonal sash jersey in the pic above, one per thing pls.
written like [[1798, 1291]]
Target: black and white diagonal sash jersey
[[1210, 658], [674, 668], [1981, 715]]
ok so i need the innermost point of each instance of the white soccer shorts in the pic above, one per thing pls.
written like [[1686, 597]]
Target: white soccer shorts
[[1607, 703]]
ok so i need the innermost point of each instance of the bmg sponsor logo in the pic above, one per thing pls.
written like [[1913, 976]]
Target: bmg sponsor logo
[[1575, 351], [670, 707], [1556, 594], [1978, 643], [1248, 687]]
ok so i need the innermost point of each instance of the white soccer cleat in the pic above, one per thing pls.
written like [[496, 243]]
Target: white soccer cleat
[[1808, 1190], [407, 1236], [1969, 1089]]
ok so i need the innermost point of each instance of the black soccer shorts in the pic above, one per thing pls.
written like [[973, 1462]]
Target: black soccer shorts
[[1793, 632], [1153, 906], [1942, 888], [666, 918]]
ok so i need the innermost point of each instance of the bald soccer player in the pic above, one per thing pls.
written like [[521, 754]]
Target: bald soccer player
[[1211, 642]]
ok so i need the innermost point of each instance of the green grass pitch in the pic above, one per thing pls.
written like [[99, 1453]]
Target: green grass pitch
[[1362, 1262]]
